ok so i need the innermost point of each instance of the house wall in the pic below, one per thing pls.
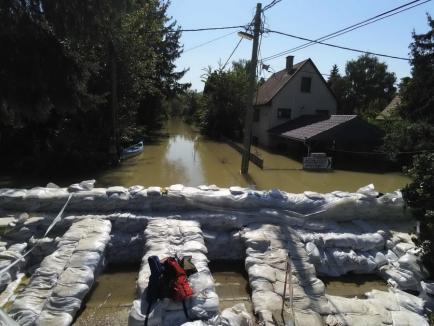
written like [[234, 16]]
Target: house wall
[[291, 97]]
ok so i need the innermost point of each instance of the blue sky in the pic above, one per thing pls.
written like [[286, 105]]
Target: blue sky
[[306, 18]]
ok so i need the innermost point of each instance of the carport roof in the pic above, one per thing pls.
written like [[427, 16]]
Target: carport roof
[[309, 131]]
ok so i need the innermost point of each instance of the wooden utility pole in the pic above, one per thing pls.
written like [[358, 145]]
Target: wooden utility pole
[[252, 87]]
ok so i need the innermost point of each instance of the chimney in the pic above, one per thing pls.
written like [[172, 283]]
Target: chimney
[[289, 63]]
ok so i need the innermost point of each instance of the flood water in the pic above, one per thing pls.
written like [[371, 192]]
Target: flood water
[[111, 298], [231, 283], [186, 157], [181, 155], [353, 285]]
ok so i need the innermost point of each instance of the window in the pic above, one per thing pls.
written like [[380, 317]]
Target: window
[[306, 84], [283, 113], [256, 115], [323, 112]]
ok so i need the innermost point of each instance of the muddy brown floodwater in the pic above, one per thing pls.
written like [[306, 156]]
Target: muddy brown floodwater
[[186, 157], [353, 285], [111, 298]]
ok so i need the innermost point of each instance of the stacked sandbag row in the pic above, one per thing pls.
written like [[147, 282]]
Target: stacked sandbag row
[[126, 243], [394, 307], [9, 253], [349, 248], [267, 252], [57, 288], [337, 205], [169, 238]]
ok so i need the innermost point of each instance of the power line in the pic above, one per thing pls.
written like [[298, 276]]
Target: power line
[[303, 46], [232, 53], [348, 29], [208, 42], [210, 28], [338, 46], [271, 4]]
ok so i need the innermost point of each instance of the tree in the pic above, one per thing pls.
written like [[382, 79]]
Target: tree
[[370, 85], [225, 98], [57, 64], [418, 95], [419, 195], [415, 131], [338, 84]]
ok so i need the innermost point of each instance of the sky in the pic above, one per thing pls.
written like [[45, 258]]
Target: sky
[[307, 18]]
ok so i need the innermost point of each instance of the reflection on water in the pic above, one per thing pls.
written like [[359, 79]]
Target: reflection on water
[[185, 157]]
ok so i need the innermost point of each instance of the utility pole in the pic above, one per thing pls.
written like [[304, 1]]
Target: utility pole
[[252, 87]]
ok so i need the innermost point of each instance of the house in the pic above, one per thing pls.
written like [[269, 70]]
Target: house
[[391, 110], [296, 91]]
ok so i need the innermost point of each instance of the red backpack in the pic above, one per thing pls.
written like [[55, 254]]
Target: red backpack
[[177, 282]]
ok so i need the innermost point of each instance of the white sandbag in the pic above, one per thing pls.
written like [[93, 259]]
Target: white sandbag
[[266, 301], [54, 318], [69, 305], [313, 252], [5, 320], [428, 287], [76, 290], [262, 271], [412, 263], [137, 318], [204, 305], [89, 259], [200, 282], [408, 318], [409, 301], [236, 316], [74, 275]]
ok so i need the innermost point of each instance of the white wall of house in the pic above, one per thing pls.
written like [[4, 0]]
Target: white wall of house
[[300, 103]]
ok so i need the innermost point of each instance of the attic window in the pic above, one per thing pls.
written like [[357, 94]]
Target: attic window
[[306, 84]]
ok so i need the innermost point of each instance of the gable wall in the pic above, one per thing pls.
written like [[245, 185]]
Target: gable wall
[[300, 103], [292, 98]]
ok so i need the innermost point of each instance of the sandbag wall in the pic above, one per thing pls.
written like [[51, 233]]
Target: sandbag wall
[[327, 234], [170, 238], [337, 205], [57, 288]]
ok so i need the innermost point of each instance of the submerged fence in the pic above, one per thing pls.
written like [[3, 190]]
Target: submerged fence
[[253, 158]]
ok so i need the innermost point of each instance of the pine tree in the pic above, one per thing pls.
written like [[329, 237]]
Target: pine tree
[[418, 95]]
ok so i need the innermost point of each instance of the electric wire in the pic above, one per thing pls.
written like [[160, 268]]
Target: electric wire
[[271, 4], [208, 42], [232, 53], [339, 46], [303, 46], [210, 28], [348, 29]]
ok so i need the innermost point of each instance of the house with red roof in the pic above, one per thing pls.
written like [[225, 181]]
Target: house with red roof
[[296, 109], [296, 91]]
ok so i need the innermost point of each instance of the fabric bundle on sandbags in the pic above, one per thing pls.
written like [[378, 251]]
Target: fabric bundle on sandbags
[[176, 238], [57, 288]]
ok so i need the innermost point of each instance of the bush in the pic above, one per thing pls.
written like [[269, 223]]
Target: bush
[[419, 195]]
